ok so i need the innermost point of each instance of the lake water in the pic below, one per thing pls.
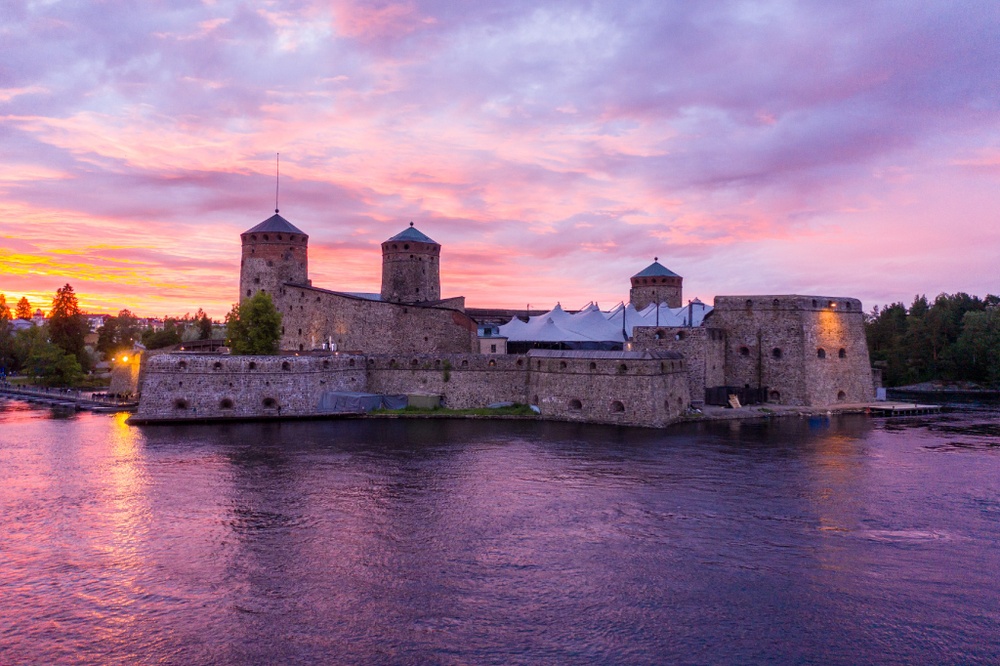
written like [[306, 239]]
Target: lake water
[[820, 540]]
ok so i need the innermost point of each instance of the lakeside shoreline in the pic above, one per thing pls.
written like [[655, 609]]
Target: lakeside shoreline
[[746, 413]]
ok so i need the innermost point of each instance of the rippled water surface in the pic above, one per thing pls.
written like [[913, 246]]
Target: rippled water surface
[[841, 540]]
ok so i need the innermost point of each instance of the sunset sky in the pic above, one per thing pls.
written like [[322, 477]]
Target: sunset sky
[[553, 148]]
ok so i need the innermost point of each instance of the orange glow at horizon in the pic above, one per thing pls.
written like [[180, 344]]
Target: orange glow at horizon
[[551, 149]]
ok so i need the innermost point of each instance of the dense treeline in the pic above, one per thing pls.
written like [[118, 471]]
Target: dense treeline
[[957, 337], [57, 353]]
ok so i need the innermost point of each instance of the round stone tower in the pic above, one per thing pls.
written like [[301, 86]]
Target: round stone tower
[[410, 268], [274, 252], [655, 284]]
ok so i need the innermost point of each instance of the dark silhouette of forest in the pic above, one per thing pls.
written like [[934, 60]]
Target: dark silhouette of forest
[[955, 338]]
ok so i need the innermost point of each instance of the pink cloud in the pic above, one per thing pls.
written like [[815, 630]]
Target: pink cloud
[[553, 148]]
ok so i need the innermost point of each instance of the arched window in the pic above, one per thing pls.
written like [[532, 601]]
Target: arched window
[[252, 366], [562, 365], [182, 365], [744, 351], [820, 353], [225, 403], [575, 405], [593, 366], [841, 396], [180, 403], [617, 406], [269, 403], [842, 353], [660, 335], [285, 365], [217, 365], [774, 396], [622, 368], [492, 363], [776, 352]]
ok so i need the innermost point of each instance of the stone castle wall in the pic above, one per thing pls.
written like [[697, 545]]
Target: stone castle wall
[[703, 348], [641, 389], [312, 317], [463, 381], [198, 386], [623, 388], [775, 342]]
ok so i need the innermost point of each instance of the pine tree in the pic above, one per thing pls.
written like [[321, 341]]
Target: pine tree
[[204, 325], [67, 326], [23, 310]]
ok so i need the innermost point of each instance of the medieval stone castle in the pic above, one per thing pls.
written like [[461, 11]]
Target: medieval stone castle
[[786, 349]]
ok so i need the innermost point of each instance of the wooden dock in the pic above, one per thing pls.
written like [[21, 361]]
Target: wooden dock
[[902, 409]]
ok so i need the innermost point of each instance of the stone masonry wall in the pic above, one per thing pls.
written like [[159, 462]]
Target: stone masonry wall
[[197, 386], [703, 348], [773, 342], [463, 381], [645, 389], [838, 367], [625, 388], [312, 317]]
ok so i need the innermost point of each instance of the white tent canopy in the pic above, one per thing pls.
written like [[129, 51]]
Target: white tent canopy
[[591, 324]]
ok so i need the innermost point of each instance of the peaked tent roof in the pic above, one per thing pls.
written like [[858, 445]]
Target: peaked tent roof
[[411, 234], [656, 269], [592, 324], [275, 224]]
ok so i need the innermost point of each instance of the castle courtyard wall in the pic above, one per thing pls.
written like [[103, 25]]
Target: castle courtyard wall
[[312, 317]]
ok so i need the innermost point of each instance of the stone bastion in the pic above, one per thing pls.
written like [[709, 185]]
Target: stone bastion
[[645, 388]]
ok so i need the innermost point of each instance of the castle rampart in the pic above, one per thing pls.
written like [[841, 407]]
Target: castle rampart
[[177, 387], [624, 388], [806, 350], [627, 388], [703, 349]]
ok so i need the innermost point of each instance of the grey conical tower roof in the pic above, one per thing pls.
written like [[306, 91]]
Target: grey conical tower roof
[[275, 224], [411, 234]]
